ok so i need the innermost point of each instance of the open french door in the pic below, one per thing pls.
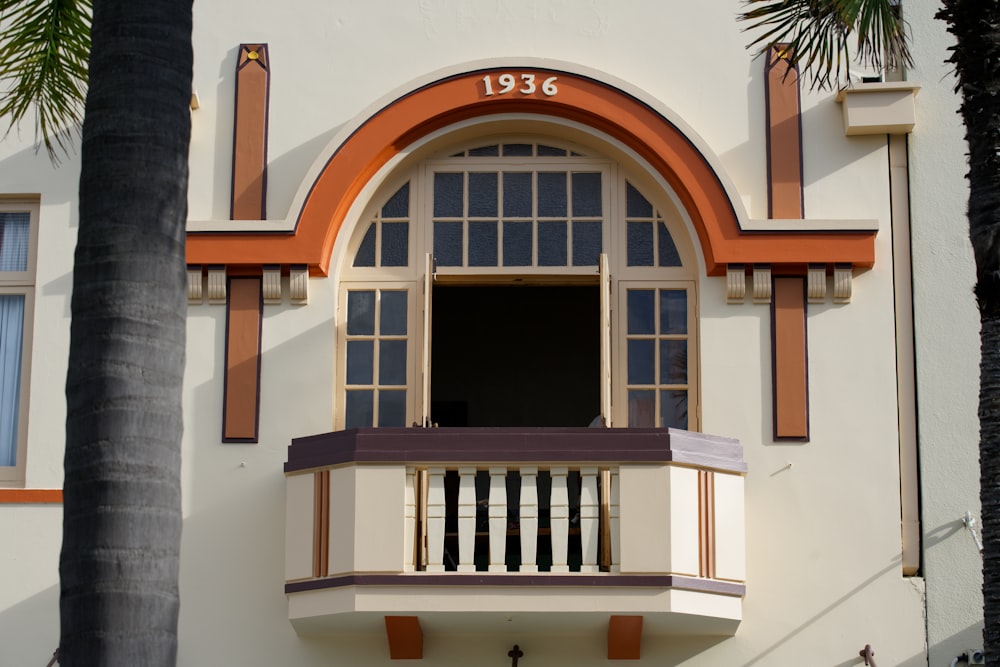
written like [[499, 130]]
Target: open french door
[[425, 357], [605, 341]]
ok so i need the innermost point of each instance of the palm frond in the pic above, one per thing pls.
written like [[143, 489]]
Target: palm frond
[[817, 34], [44, 49]]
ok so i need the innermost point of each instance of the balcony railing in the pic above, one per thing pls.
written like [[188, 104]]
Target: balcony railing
[[382, 522]]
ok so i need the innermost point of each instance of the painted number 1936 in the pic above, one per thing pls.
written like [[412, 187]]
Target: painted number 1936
[[507, 83]]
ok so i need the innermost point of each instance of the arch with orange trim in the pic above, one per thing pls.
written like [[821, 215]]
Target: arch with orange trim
[[580, 99]]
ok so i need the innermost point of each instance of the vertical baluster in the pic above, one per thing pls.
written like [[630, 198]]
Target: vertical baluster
[[435, 520], [410, 558], [498, 519], [588, 519], [467, 520], [529, 519], [616, 514], [560, 519]]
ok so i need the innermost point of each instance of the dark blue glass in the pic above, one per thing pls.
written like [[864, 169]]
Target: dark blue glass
[[641, 361], [637, 206], [668, 251], [361, 312], [392, 408], [392, 362], [395, 243], [516, 195], [366, 251], [359, 409], [586, 243], [448, 243], [640, 243], [483, 195], [551, 151], [552, 243], [673, 361], [482, 244], [398, 205], [673, 311], [485, 151], [587, 194], [393, 314], [517, 244], [552, 194], [360, 361], [517, 150], [641, 311], [674, 408], [448, 195], [641, 408]]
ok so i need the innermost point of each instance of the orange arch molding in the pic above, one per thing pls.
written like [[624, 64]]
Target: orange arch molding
[[578, 98]]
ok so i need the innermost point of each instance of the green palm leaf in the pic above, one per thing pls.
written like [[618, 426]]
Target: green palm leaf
[[818, 35], [44, 49]]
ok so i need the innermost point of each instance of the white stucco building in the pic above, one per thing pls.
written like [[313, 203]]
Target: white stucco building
[[437, 247]]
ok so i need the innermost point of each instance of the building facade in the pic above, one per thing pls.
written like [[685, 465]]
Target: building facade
[[574, 327]]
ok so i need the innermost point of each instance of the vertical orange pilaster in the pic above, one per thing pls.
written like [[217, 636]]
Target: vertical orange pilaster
[[784, 138], [789, 354], [244, 317], [253, 74]]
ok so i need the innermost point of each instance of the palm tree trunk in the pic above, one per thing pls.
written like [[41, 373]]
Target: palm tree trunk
[[976, 57], [122, 511]]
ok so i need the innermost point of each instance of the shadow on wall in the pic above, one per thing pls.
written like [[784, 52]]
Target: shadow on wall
[[29, 630]]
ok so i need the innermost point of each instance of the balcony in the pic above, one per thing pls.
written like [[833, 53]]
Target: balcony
[[511, 528]]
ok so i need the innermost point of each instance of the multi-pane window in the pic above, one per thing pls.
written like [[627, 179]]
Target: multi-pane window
[[518, 284], [16, 290], [375, 362]]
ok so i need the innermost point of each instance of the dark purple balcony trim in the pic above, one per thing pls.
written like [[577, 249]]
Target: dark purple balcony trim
[[524, 445], [524, 580]]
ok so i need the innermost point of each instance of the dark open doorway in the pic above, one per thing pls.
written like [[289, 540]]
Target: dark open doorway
[[506, 355]]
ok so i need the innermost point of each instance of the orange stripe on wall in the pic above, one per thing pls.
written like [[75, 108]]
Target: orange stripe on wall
[[585, 101], [242, 381], [249, 196], [784, 138], [789, 353], [30, 496]]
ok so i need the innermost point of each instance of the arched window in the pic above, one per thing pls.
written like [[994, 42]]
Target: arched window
[[518, 283]]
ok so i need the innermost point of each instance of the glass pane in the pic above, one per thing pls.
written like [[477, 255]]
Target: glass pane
[[550, 151], [448, 195], [11, 328], [483, 195], [391, 362], [358, 409], [516, 150], [673, 361], [360, 361], [398, 205], [517, 244], [485, 151], [587, 194], [552, 194], [641, 361], [448, 243], [586, 243], [636, 205], [516, 195], [361, 313], [552, 243], [482, 244], [393, 320], [395, 243], [392, 408], [668, 251], [14, 235], [366, 251], [674, 408], [673, 311], [641, 314], [642, 409], [640, 243]]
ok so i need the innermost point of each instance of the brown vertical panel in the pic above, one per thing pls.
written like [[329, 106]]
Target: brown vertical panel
[[406, 639], [706, 523], [624, 637], [253, 74], [790, 374], [321, 523], [784, 137], [244, 311]]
